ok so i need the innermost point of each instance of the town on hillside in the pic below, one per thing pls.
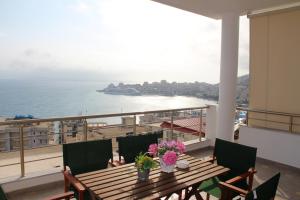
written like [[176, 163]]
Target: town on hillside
[[165, 88]]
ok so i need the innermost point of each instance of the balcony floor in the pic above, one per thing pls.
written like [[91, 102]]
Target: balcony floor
[[289, 186]]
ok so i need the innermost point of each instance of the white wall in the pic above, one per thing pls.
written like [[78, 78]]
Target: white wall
[[211, 123], [279, 146]]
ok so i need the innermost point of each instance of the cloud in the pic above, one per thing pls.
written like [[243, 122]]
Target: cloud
[[80, 7], [128, 40], [2, 34], [34, 60], [29, 52]]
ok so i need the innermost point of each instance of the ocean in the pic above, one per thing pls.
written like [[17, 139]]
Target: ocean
[[45, 99]]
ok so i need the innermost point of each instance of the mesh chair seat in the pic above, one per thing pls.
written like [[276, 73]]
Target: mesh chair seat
[[238, 158], [82, 157], [265, 191], [2, 194], [131, 146]]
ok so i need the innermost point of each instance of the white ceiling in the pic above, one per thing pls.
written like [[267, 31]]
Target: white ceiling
[[216, 8]]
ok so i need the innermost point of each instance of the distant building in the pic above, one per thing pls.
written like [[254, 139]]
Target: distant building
[[57, 132], [35, 135], [128, 121], [189, 125]]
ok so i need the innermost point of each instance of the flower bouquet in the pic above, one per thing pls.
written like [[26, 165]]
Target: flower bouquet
[[168, 152], [143, 164]]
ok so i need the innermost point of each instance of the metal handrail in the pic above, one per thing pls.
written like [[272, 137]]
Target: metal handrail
[[22, 124], [291, 117], [268, 112], [27, 121]]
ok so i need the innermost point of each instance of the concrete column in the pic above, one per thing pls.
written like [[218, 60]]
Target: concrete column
[[228, 76], [211, 123]]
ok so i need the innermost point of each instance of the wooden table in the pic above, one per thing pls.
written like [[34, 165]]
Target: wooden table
[[121, 182]]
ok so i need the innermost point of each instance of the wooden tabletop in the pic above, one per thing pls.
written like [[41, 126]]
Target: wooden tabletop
[[122, 183]]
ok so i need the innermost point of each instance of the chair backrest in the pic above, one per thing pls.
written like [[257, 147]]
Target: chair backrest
[[265, 191], [87, 156], [160, 133], [131, 146], [2, 194], [239, 158]]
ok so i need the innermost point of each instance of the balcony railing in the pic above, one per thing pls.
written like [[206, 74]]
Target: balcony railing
[[19, 136], [272, 120]]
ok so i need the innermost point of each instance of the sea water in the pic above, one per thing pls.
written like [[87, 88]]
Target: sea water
[[45, 99]]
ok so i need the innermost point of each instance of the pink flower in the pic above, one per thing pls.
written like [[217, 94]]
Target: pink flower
[[180, 147], [170, 158], [152, 150]]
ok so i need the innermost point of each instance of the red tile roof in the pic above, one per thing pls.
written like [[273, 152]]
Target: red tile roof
[[190, 125]]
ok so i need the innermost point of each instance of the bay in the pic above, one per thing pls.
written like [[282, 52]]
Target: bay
[[45, 99]]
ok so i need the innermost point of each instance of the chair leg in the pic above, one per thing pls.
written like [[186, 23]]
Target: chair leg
[[81, 195], [207, 196], [66, 184], [251, 177], [180, 195]]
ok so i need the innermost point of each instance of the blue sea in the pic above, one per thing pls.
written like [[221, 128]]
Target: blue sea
[[45, 99]]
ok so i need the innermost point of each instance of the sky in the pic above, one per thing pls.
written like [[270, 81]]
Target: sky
[[111, 40]]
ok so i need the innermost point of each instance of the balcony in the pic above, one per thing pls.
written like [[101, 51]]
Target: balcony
[[33, 170], [31, 158], [288, 188]]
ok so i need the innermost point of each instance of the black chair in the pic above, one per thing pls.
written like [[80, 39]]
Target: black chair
[[131, 146], [160, 134], [265, 191], [240, 159], [84, 157], [2, 194]]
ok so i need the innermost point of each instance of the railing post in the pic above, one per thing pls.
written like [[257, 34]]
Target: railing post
[[291, 124], [134, 124], [62, 132], [172, 125], [21, 138], [200, 127], [85, 130]]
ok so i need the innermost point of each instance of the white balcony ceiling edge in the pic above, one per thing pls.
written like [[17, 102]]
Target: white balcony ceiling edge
[[217, 8], [229, 11]]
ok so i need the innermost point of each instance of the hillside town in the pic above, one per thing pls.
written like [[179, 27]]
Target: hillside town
[[165, 88]]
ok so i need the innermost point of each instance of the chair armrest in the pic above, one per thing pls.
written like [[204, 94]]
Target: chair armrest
[[117, 163], [73, 181], [251, 172], [65, 195], [209, 159], [233, 188]]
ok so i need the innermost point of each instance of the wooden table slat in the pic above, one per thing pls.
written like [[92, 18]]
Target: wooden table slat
[[153, 178], [156, 183], [118, 173], [168, 185], [121, 182], [131, 171], [132, 177], [111, 169], [109, 187], [181, 186]]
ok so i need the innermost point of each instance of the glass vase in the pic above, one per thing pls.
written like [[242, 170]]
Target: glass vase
[[166, 168], [143, 175]]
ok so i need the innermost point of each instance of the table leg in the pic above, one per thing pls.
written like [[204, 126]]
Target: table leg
[[193, 191]]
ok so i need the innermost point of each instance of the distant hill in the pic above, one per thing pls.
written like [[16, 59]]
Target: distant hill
[[195, 89]]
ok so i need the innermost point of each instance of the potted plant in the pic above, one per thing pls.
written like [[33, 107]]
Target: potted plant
[[168, 152], [143, 164]]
